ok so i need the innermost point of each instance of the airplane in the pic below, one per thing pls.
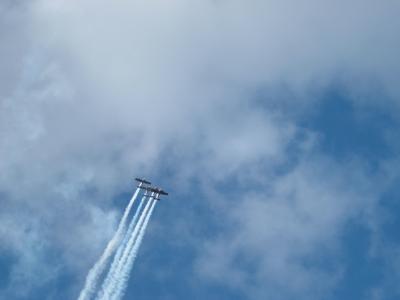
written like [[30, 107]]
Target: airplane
[[155, 192], [158, 191], [150, 195], [156, 197], [142, 181]]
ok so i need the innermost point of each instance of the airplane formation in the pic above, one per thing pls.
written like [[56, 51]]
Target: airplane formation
[[108, 278], [151, 192]]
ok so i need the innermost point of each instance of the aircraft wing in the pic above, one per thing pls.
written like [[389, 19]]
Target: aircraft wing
[[142, 180]]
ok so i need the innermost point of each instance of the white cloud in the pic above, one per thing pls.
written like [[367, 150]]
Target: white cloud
[[286, 240]]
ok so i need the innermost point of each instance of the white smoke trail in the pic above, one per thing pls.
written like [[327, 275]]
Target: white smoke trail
[[98, 268], [113, 280], [127, 266], [120, 251]]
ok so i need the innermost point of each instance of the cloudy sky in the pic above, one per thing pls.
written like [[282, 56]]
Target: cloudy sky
[[273, 124]]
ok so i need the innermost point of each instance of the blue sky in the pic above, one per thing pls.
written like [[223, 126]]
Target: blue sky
[[274, 125]]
